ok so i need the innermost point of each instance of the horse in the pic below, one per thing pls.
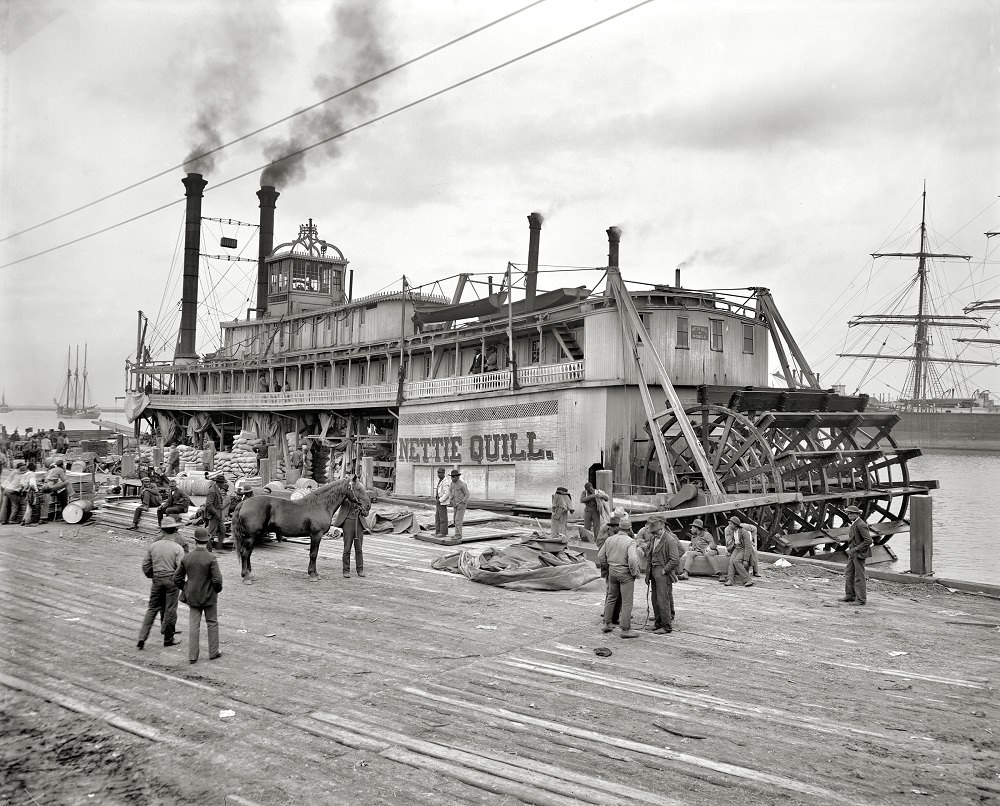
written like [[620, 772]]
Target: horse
[[311, 515]]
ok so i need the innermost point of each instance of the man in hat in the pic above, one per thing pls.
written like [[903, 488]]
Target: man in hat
[[163, 558], [859, 548], [663, 553], [612, 527], [618, 555], [442, 492], [54, 491], [702, 544], [198, 575], [175, 502], [354, 532], [214, 504], [592, 500], [458, 497], [174, 461], [562, 506], [148, 499], [10, 509], [738, 545]]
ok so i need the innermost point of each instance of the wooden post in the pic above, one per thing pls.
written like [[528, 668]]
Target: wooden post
[[605, 479], [367, 472], [265, 471], [128, 465], [921, 535]]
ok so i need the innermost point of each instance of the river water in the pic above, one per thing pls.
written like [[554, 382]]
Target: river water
[[966, 507]]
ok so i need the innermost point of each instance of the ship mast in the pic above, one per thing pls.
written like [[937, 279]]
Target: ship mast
[[69, 373], [921, 359], [76, 381]]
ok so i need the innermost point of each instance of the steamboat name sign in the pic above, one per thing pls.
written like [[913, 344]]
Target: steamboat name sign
[[478, 448]]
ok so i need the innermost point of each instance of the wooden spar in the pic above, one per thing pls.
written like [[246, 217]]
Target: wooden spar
[[634, 329], [777, 326], [511, 358]]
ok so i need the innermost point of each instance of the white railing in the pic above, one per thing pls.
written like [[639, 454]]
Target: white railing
[[486, 382]]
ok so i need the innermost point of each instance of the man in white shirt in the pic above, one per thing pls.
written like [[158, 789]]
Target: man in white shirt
[[442, 492]]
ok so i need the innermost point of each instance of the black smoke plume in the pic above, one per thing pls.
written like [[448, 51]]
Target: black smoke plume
[[356, 52]]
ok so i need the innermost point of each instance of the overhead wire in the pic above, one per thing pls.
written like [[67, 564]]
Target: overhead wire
[[349, 130]]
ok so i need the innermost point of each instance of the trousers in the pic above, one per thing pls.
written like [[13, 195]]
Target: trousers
[[663, 598], [163, 509], [855, 579], [592, 521], [163, 600], [459, 519], [353, 536], [10, 509], [620, 583], [736, 566], [194, 629], [617, 611], [440, 519]]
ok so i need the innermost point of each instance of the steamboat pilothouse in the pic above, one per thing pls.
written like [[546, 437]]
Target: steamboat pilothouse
[[524, 390]]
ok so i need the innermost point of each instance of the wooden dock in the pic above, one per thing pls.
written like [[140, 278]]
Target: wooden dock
[[417, 686]]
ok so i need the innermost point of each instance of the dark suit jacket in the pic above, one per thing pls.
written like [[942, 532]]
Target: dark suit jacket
[[860, 539], [204, 579]]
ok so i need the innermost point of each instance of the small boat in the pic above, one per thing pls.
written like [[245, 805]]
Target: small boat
[[4, 408], [72, 400]]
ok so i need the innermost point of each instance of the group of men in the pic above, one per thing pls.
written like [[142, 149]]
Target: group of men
[[655, 552], [26, 501], [452, 493], [32, 447], [174, 570], [173, 501]]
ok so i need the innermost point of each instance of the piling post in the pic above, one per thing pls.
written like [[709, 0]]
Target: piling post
[[367, 472], [921, 535], [605, 481]]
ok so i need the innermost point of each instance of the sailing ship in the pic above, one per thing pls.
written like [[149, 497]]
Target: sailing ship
[[4, 408], [72, 401], [937, 405], [664, 386]]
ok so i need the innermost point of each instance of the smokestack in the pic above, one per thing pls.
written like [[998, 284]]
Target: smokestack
[[677, 277], [531, 278], [614, 236], [194, 185], [265, 243]]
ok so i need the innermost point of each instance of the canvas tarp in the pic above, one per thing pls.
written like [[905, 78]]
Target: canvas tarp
[[533, 564]]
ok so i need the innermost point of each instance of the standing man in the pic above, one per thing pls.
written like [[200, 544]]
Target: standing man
[[738, 545], [163, 557], [214, 503], [664, 560], [442, 493], [294, 466], [458, 497], [859, 548], [562, 506], [608, 529], [619, 556], [201, 592], [591, 500], [45, 444], [175, 503], [354, 532], [54, 490], [174, 461], [702, 544], [148, 499], [10, 509]]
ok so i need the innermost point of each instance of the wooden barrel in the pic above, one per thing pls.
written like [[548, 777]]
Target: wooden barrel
[[78, 511]]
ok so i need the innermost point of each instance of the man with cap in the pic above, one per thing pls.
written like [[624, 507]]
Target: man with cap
[[442, 492], [198, 575], [54, 491], [458, 497], [591, 500], [859, 548], [214, 504], [354, 532], [148, 499], [702, 544], [175, 502], [10, 509], [562, 506], [612, 527], [163, 558], [619, 556], [738, 545], [663, 554]]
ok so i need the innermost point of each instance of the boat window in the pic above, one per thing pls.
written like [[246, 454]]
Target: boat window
[[342, 376], [536, 351], [716, 334], [362, 374], [683, 334], [748, 339]]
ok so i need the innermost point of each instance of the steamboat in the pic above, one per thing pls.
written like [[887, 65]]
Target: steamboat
[[524, 389]]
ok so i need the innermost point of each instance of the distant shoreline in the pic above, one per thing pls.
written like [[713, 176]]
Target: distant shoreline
[[53, 408]]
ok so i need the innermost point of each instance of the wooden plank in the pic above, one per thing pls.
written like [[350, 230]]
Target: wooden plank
[[472, 534]]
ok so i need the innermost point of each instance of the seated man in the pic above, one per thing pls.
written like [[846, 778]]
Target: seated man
[[148, 499], [702, 545], [174, 503]]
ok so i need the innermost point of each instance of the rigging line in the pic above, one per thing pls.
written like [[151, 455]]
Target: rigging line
[[255, 132], [376, 119]]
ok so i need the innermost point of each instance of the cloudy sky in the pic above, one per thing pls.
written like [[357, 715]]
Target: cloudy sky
[[757, 143]]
